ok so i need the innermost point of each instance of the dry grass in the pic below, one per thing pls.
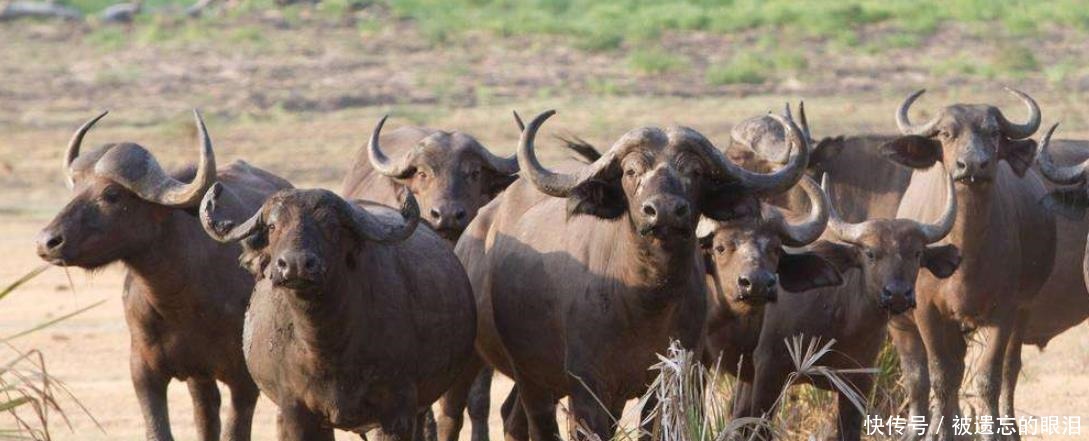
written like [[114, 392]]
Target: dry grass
[[29, 396]]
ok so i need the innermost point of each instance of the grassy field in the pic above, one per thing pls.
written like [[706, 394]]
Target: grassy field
[[296, 89]]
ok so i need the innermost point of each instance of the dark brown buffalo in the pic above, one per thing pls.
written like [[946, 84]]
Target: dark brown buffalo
[[359, 319], [582, 278], [747, 267], [867, 184], [1063, 302], [1005, 237], [451, 173], [184, 294], [886, 255]]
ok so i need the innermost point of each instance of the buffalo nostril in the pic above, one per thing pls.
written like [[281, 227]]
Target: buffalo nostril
[[460, 215], [983, 164], [54, 242], [961, 165], [435, 213], [744, 282], [649, 210], [681, 210], [281, 264], [310, 264], [772, 282]]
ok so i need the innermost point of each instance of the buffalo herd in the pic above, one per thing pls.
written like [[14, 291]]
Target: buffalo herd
[[440, 262]]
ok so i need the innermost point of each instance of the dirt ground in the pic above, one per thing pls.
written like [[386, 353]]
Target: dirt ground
[[302, 110]]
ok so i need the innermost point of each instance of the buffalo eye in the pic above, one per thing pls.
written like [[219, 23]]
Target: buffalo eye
[[869, 254], [720, 249], [271, 227], [111, 196], [630, 172], [944, 134], [474, 175], [421, 174]]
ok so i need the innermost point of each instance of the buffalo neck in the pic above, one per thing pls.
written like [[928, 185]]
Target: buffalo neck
[[659, 268], [321, 317], [973, 217], [168, 270]]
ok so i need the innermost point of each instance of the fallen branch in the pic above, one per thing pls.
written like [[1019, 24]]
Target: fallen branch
[[25, 9]]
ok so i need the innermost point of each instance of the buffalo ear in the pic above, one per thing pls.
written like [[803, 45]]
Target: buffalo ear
[[1067, 202], [941, 260], [598, 198], [1018, 153], [497, 182], [253, 258], [913, 151], [825, 150], [842, 256], [806, 271]]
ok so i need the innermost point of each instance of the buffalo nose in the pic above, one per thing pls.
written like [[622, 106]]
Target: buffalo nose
[[446, 218], [961, 165], [49, 242], [898, 293], [762, 284], [658, 210], [298, 265]]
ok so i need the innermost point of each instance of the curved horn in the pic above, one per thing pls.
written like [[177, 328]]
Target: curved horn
[[72, 152], [842, 230], [1021, 131], [809, 229], [368, 227], [1071, 174], [904, 123], [780, 180], [225, 230], [547, 182], [379, 161], [940, 228], [171, 193]]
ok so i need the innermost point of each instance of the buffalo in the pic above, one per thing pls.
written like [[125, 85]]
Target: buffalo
[[887, 255], [359, 319], [748, 264], [184, 295], [582, 277], [451, 173], [1008, 246]]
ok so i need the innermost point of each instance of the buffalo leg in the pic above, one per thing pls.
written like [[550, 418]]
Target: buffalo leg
[[769, 379], [515, 424], [540, 408], [479, 404], [150, 389], [1012, 369], [913, 364], [206, 402], [295, 423], [239, 425], [945, 347], [587, 409], [989, 379], [452, 403], [850, 417]]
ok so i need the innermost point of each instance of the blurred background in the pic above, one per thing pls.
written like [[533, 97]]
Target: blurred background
[[295, 87]]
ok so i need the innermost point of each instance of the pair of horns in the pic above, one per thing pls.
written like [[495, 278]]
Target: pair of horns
[[362, 223], [156, 186], [400, 167], [1010, 129], [852, 232], [562, 184]]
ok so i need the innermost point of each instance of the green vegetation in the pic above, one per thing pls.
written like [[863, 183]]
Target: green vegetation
[[655, 61], [755, 67]]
